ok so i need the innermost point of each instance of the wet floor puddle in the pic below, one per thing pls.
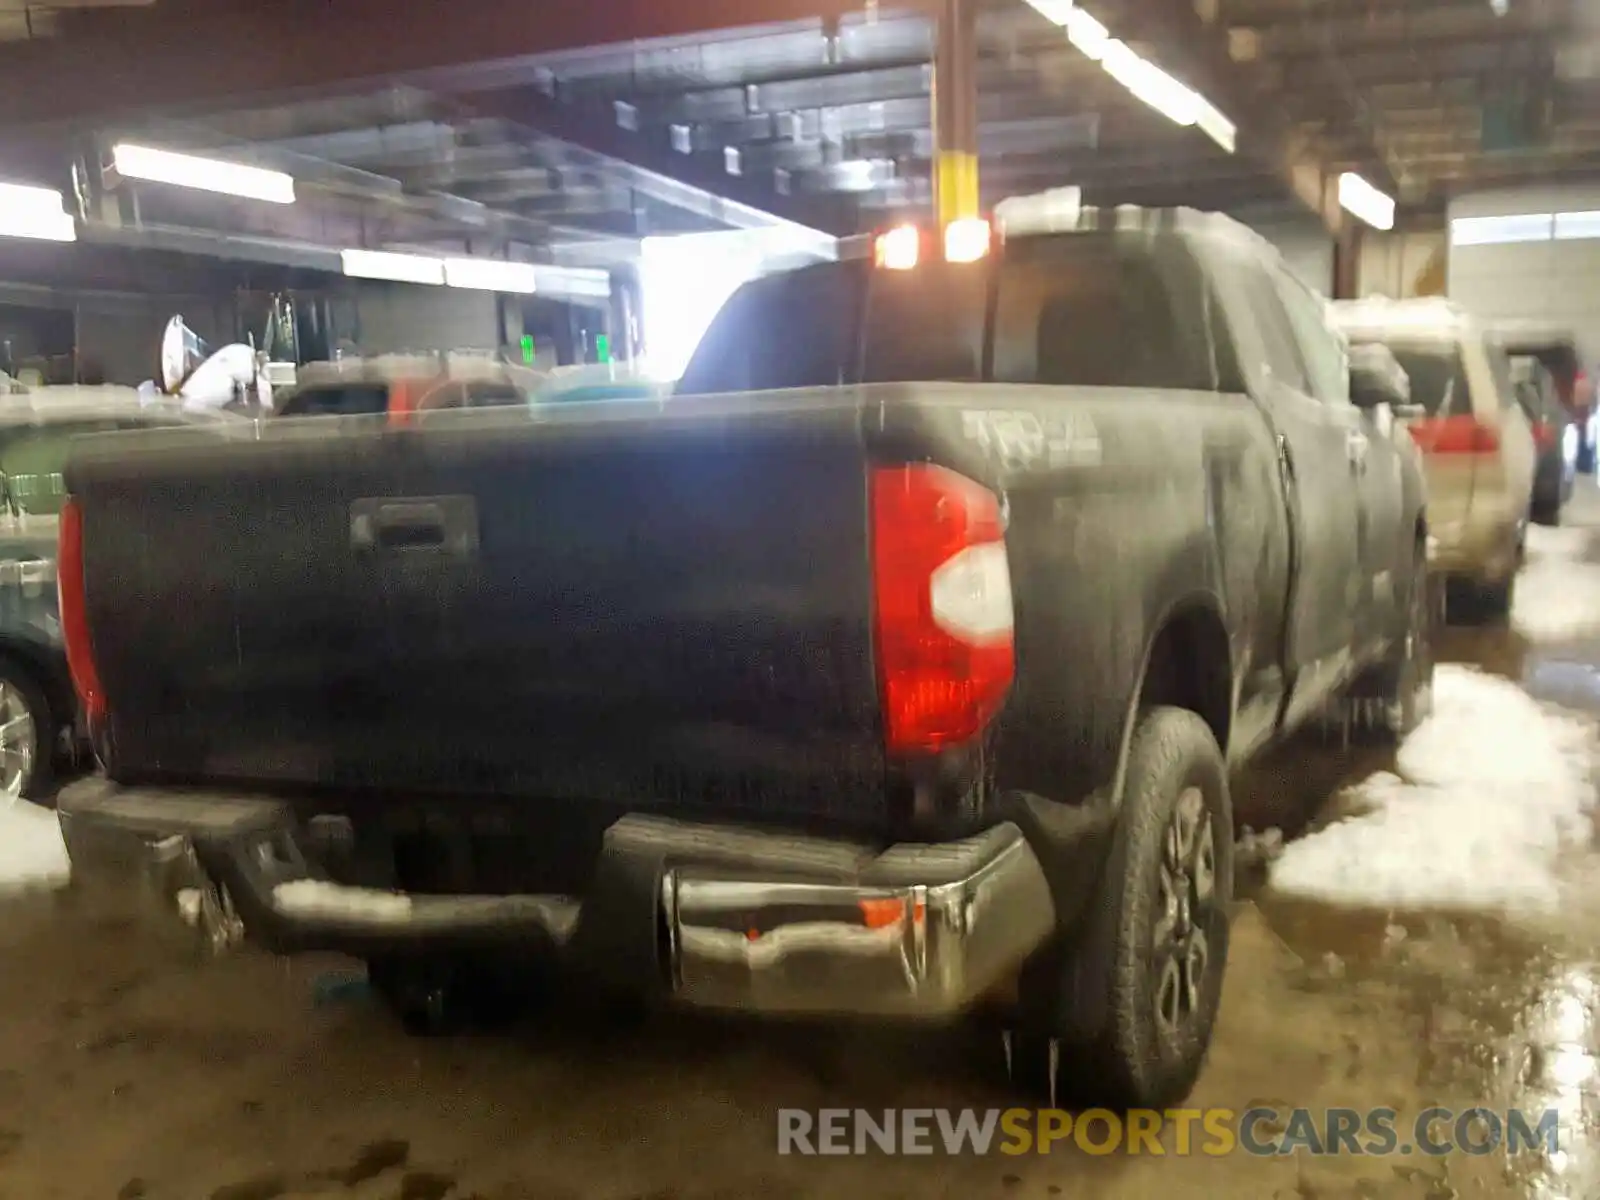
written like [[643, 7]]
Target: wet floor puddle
[[1499, 1015]]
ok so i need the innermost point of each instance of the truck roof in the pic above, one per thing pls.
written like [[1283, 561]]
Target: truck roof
[[1060, 210]]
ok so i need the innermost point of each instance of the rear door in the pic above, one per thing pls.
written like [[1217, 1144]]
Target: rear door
[[1318, 449], [1373, 464]]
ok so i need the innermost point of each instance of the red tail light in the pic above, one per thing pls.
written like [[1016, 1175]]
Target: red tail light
[[1455, 435], [75, 612], [1544, 435], [945, 623], [402, 403]]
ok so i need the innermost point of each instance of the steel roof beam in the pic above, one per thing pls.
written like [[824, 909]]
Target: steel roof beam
[[905, 82], [144, 61], [1292, 47], [853, 42], [372, 144], [1274, 13], [649, 167], [1470, 69]]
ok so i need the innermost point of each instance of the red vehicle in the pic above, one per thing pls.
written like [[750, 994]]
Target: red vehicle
[[1556, 350]]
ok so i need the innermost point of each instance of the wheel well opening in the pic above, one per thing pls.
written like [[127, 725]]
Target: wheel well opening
[[1191, 667]]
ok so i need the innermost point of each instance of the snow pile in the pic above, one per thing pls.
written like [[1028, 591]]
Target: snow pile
[[1558, 592], [32, 853], [1492, 788]]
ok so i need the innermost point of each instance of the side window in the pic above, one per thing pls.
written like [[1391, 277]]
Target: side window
[[1277, 334], [1327, 363]]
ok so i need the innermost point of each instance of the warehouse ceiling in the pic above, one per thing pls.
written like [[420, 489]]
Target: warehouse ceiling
[[821, 120], [1445, 95]]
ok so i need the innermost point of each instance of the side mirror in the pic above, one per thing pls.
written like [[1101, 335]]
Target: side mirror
[[1377, 378]]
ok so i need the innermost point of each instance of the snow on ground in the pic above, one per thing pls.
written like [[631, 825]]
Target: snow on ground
[[1558, 593], [1490, 791], [31, 851]]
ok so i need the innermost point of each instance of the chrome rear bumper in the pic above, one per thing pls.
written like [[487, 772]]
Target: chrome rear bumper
[[710, 916]]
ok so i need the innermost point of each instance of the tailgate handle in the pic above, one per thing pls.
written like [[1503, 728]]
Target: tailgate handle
[[440, 524]]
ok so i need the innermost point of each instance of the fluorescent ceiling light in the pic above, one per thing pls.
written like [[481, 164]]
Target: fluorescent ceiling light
[[400, 268], [1150, 83], [35, 212], [1086, 33], [1497, 231], [1056, 11], [205, 174], [47, 227], [24, 197], [1146, 81], [1217, 127], [490, 275], [1360, 198]]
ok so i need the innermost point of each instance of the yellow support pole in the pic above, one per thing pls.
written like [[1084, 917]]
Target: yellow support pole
[[955, 112]]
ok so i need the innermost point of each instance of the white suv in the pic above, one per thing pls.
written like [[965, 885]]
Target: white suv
[[1477, 446]]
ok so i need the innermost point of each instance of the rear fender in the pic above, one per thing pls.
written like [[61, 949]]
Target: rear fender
[[1201, 599]]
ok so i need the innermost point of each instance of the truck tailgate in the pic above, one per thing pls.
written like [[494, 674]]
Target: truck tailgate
[[592, 603]]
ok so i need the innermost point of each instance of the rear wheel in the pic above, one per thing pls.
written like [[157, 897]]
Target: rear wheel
[[27, 736], [1402, 685], [1126, 1020]]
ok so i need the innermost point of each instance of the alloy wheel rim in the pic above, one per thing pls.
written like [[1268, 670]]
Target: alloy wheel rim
[[18, 743], [1185, 900]]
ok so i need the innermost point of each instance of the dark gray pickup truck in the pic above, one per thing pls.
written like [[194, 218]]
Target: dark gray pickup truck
[[891, 667]]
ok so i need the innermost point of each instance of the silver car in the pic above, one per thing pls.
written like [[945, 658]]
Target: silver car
[[1477, 444]]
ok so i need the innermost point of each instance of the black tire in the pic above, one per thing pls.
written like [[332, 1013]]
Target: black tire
[[38, 778], [1547, 512], [1402, 685], [1094, 1037]]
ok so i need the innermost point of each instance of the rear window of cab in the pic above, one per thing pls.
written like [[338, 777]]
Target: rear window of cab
[[1087, 309]]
